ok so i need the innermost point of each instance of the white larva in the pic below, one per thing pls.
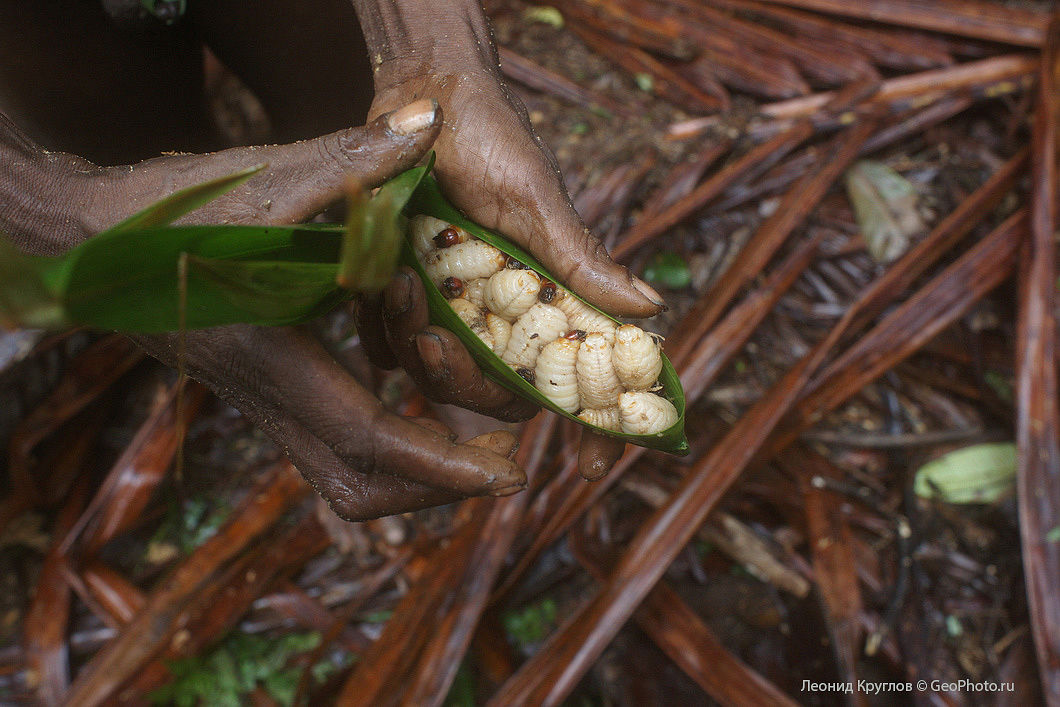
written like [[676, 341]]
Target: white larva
[[556, 376], [645, 413], [501, 330], [474, 318], [475, 291], [541, 324], [582, 316], [510, 293], [597, 382], [637, 358], [607, 418], [465, 261], [423, 229]]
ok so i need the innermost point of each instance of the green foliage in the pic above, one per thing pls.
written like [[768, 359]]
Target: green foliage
[[144, 275], [236, 666], [981, 473], [669, 270], [462, 693], [532, 623]]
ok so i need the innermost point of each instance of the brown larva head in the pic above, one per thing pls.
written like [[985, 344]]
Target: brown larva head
[[527, 374], [513, 264], [547, 293], [447, 237], [575, 335], [452, 287]]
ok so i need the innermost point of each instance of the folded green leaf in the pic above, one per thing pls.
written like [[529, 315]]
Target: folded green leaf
[[428, 200]]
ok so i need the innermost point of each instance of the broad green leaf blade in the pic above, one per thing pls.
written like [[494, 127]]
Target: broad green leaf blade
[[26, 300], [268, 275], [429, 200], [184, 201], [374, 228], [981, 473]]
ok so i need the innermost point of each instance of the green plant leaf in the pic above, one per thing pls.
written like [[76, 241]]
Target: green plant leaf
[[428, 200], [128, 280], [981, 473], [374, 231], [669, 270], [169, 209]]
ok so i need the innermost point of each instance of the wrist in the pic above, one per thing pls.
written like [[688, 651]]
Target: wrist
[[43, 196], [405, 38]]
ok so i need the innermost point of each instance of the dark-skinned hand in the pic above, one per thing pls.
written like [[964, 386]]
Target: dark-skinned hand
[[494, 168], [364, 461]]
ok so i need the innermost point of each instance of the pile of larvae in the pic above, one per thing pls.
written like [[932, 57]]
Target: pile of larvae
[[607, 374]]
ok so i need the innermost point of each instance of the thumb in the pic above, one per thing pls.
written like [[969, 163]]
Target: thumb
[[300, 178]]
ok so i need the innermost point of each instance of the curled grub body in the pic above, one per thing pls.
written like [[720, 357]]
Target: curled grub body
[[582, 316], [607, 418], [598, 383], [466, 261], [500, 330], [474, 318], [637, 358], [557, 376], [645, 413], [511, 293], [541, 324]]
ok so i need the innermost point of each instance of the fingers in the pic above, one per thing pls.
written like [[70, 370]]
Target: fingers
[[300, 179], [450, 366], [598, 454], [435, 358], [286, 383], [372, 332], [493, 167]]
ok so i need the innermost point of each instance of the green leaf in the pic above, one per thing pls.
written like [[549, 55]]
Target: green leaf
[[267, 275], [372, 241], [175, 205], [26, 298], [428, 200], [669, 270], [545, 14], [885, 204], [981, 473]]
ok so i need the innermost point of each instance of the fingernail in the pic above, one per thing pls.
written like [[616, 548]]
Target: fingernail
[[649, 292], [430, 347], [397, 297], [414, 117], [508, 490]]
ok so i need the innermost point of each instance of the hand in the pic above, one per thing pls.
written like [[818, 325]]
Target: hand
[[364, 461], [491, 165]]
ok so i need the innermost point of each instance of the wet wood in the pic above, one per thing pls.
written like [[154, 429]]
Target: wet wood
[[46, 623], [131, 482], [152, 629], [621, 25], [1037, 415], [985, 78], [117, 599], [665, 83], [883, 48], [969, 18], [833, 68], [832, 552], [757, 158], [537, 77], [693, 646], [794, 208]]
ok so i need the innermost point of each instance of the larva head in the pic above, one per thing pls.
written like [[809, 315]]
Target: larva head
[[527, 374], [513, 264], [452, 287], [547, 293], [575, 335], [450, 236]]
